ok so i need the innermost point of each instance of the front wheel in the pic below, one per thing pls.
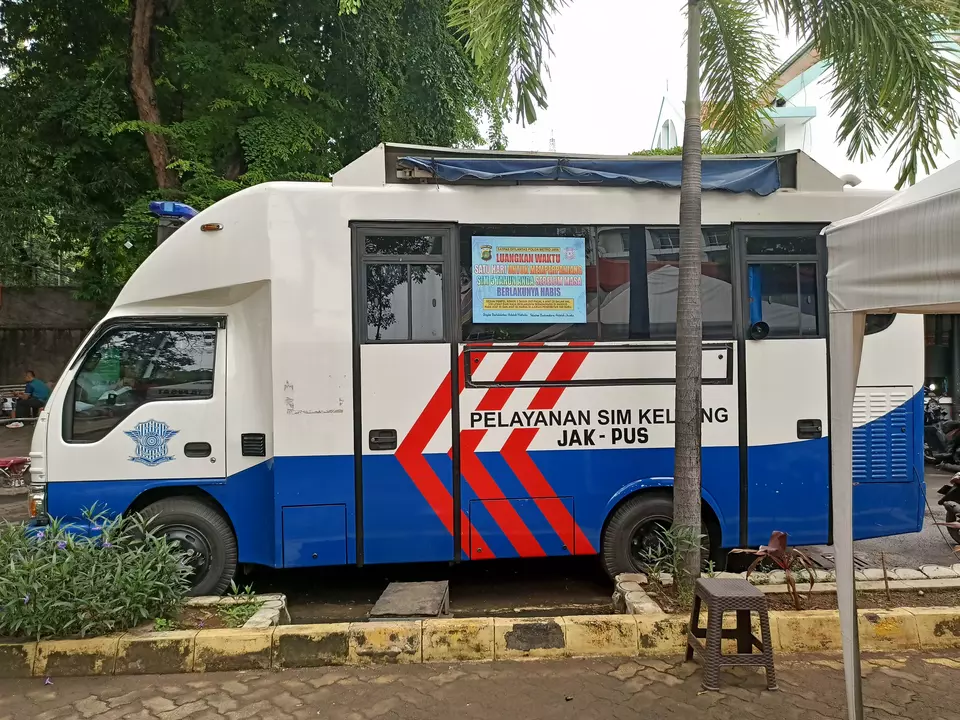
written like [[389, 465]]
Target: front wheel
[[204, 534]]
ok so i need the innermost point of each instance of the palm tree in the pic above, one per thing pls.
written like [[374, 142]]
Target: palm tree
[[894, 66]]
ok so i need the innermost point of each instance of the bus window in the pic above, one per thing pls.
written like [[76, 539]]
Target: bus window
[[784, 296], [402, 277], [643, 304]]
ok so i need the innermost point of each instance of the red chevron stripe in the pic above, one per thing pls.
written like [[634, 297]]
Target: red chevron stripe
[[476, 474], [515, 454], [485, 488], [410, 456]]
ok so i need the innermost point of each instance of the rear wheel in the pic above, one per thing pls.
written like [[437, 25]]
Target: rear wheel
[[204, 534], [635, 531]]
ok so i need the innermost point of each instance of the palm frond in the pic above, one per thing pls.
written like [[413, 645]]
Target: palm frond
[[509, 40], [736, 67], [893, 64]]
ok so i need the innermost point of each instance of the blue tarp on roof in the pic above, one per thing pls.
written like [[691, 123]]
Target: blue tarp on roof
[[760, 176]]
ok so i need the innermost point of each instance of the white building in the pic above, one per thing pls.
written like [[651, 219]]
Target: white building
[[803, 121]]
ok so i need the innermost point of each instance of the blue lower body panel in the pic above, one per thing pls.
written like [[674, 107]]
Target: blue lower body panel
[[288, 509], [314, 535]]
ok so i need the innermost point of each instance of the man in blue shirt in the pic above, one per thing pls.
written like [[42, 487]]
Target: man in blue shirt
[[34, 396]]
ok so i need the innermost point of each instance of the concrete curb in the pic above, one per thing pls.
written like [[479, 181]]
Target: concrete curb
[[273, 605], [453, 640]]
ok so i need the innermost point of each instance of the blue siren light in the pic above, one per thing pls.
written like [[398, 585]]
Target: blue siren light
[[170, 209]]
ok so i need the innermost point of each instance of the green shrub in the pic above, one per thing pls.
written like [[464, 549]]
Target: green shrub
[[55, 584]]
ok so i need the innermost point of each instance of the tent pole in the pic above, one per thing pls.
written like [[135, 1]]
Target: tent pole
[[846, 341]]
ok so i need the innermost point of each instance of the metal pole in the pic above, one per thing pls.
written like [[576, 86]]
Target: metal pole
[[846, 343]]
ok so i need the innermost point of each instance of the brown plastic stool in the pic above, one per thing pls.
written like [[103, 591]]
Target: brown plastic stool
[[722, 596]]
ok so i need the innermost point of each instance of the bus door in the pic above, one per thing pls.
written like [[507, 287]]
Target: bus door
[[404, 392], [783, 272]]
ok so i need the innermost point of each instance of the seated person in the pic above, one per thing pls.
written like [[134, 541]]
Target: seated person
[[35, 395]]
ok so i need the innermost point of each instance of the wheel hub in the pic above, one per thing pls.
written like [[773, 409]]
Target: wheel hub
[[194, 545]]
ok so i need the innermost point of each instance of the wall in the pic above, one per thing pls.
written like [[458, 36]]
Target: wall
[[40, 328]]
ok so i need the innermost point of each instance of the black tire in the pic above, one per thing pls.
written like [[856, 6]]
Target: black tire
[[639, 515], [954, 532], [200, 528]]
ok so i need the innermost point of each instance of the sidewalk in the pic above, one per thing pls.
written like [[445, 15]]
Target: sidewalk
[[919, 686]]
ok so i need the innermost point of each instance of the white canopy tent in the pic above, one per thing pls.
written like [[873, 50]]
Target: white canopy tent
[[903, 256]]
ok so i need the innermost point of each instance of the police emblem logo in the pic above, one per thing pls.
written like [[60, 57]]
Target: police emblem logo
[[151, 437], [486, 253]]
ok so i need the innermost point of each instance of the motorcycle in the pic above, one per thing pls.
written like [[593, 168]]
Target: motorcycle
[[941, 437], [951, 503]]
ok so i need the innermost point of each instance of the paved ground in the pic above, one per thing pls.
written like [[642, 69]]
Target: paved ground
[[920, 686]]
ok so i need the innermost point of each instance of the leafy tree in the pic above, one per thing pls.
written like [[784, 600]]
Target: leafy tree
[[893, 70], [108, 104]]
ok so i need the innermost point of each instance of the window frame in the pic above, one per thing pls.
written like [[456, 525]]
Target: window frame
[[216, 323], [773, 230], [360, 231]]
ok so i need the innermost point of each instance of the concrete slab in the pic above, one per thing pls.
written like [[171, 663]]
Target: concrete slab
[[413, 600]]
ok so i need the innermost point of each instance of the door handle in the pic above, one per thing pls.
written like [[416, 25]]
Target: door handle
[[383, 439], [809, 429], [197, 449]]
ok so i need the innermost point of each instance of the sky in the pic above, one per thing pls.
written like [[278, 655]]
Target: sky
[[613, 62]]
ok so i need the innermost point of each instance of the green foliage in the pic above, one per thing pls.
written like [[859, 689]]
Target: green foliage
[[894, 65], [237, 615], [659, 152], [510, 41], [236, 592], [666, 556], [164, 625], [60, 585], [736, 73], [248, 90]]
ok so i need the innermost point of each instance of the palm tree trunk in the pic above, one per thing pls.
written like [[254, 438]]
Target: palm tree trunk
[[686, 490]]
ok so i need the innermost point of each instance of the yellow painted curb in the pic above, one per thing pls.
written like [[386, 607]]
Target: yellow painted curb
[[454, 640], [451, 640], [612, 635], [661, 634], [156, 652], [16, 659], [516, 638], [937, 627], [807, 630], [311, 645], [887, 630], [230, 650], [386, 642], [88, 656]]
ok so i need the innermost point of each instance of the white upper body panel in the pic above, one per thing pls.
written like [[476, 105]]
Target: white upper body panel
[[296, 237]]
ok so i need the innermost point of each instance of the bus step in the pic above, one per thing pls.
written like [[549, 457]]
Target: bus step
[[413, 600]]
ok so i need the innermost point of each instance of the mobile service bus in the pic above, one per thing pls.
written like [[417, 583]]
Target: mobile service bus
[[447, 355]]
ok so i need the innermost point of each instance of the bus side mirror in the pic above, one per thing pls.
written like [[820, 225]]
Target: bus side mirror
[[759, 330]]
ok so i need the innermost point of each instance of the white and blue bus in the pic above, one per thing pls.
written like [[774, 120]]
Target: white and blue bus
[[446, 355]]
